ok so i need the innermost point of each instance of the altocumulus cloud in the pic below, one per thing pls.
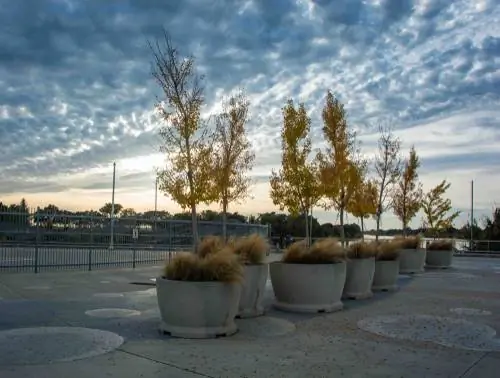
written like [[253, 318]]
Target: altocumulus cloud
[[77, 91]]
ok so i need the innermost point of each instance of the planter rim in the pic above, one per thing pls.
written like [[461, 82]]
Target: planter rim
[[257, 264], [289, 263], [360, 258], [440, 250], [385, 260], [208, 283]]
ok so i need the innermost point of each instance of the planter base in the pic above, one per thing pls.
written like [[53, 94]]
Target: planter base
[[385, 288], [437, 267], [250, 313], [198, 333], [439, 259], [412, 261], [253, 290], [357, 296], [359, 279], [309, 308]]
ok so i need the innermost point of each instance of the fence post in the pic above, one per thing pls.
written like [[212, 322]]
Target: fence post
[[134, 253], [91, 241], [37, 237], [169, 235]]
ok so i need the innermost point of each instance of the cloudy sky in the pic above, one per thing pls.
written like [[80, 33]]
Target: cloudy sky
[[77, 91]]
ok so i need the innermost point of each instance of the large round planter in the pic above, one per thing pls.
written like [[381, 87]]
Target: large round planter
[[197, 310], [438, 259], [412, 261], [386, 275], [253, 289], [359, 278], [308, 287]]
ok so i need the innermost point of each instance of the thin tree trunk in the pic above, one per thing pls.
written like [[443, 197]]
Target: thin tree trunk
[[224, 220], [306, 214], [362, 229], [311, 225], [194, 221], [378, 227], [342, 233]]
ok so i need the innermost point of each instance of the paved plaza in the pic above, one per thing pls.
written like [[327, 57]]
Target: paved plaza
[[104, 323]]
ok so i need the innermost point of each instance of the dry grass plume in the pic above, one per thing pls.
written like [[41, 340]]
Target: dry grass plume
[[388, 250], [325, 251], [440, 245], [362, 250], [210, 244], [409, 242], [251, 249], [213, 261]]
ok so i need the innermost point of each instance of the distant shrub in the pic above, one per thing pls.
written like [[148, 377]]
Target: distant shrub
[[325, 251], [440, 245]]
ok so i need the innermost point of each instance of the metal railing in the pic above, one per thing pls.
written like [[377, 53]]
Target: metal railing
[[37, 241], [48, 257]]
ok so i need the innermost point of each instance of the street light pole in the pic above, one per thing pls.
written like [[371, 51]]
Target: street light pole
[[471, 213], [156, 199], [111, 242]]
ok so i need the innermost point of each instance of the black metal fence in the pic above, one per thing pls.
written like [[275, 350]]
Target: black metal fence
[[36, 241], [45, 257]]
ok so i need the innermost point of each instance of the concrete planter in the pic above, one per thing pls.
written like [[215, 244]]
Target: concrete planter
[[438, 259], [412, 261], [308, 287], [197, 310], [386, 275], [359, 278], [252, 292]]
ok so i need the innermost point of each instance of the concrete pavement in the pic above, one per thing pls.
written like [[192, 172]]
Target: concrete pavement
[[439, 324]]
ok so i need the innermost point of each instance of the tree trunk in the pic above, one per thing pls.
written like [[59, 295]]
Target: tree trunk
[[194, 222], [224, 220], [306, 213], [378, 227], [362, 228], [342, 233]]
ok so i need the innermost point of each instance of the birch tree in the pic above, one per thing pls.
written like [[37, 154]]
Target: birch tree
[[185, 138], [437, 209], [340, 170], [295, 187], [233, 158], [407, 196], [387, 169], [363, 204]]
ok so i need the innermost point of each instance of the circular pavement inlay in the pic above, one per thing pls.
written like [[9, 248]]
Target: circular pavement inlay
[[37, 287], [453, 333], [108, 295], [45, 345], [153, 279], [469, 311], [264, 326], [445, 274], [112, 313], [147, 293]]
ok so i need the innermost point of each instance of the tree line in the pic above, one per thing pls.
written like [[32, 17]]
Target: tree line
[[209, 162], [205, 164]]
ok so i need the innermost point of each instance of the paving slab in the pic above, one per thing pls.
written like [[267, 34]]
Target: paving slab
[[441, 323]]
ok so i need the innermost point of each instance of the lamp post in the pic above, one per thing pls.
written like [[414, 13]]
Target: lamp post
[[111, 242]]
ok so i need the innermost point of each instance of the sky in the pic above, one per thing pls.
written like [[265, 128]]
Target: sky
[[77, 91]]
